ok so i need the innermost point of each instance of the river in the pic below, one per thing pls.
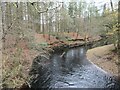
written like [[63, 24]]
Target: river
[[73, 70]]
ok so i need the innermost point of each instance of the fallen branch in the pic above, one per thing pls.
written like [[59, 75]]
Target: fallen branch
[[62, 54]]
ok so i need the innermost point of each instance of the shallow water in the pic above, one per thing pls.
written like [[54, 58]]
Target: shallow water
[[73, 70]]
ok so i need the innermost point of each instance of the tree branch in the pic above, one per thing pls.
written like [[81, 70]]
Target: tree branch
[[46, 9]]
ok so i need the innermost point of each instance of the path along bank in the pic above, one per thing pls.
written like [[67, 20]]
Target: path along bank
[[105, 58]]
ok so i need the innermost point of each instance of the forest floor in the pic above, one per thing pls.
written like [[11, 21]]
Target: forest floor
[[105, 58]]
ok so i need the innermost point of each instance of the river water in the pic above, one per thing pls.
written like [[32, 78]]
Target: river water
[[73, 70]]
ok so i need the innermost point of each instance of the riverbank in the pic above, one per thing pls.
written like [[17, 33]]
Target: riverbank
[[105, 58], [18, 59]]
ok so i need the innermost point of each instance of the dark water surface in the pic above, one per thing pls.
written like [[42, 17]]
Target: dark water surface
[[73, 70]]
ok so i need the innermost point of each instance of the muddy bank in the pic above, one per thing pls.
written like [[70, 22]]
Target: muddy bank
[[104, 58]]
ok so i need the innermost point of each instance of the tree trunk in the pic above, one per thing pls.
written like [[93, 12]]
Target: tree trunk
[[111, 3]]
